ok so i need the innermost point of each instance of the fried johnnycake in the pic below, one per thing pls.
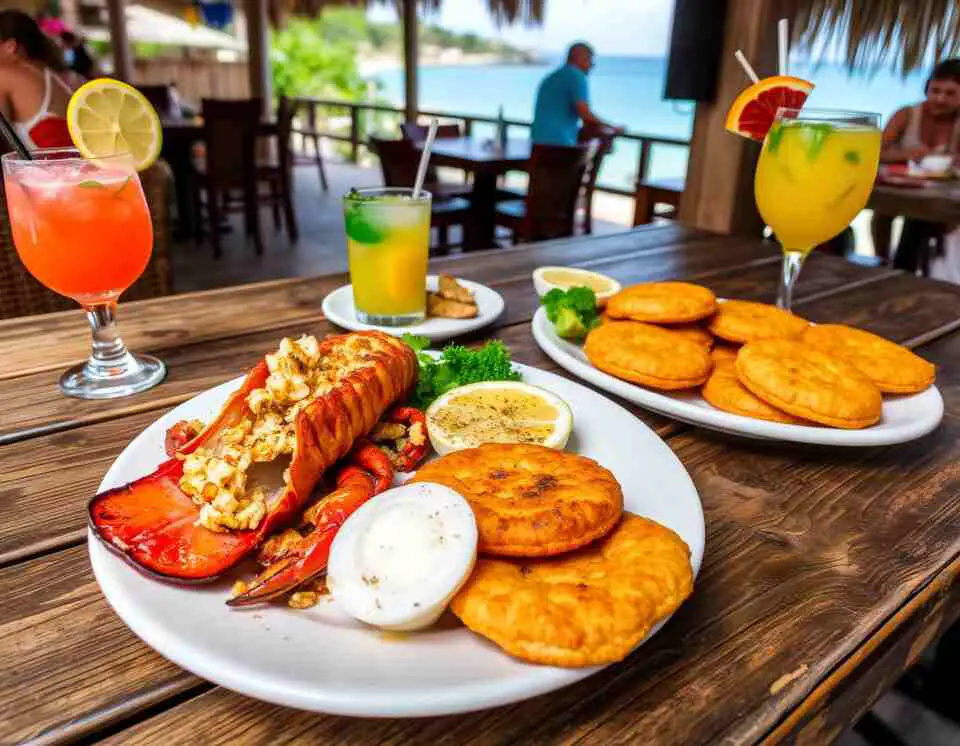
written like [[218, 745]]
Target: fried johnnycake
[[723, 390], [693, 332], [647, 354], [663, 303], [895, 369], [529, 500], [743, 321], [589, 607], [808, 383]]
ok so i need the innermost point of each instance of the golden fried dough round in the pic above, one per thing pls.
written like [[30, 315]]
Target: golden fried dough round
[[724, 391], [663, 303], [648, 355], [893, 368], [724, 353], [808, 383], [529, 500], [586, 608], [745, 321], [693, 332]]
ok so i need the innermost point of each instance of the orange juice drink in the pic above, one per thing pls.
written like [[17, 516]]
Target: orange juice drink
[[388, 239]]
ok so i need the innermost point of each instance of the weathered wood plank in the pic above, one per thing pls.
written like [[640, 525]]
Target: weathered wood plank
[[35, 405], [64, 653], [195, 317], [810, 553]]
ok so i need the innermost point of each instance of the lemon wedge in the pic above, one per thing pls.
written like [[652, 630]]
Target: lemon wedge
[[546, 279], [498, 412], [107, 117]]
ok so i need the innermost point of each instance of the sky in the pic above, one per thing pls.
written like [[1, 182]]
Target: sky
[[613, 27]]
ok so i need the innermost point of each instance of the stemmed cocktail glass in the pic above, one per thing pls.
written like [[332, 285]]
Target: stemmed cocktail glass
[[82, 228]]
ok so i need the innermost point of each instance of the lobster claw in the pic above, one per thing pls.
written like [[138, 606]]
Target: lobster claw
[[367, 473]]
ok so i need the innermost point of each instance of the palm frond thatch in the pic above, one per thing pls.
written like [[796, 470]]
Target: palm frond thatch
[[876, 33], [503, 11]]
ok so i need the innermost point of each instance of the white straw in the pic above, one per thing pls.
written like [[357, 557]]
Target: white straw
[[425, 158], [783, 43], [746, 66]]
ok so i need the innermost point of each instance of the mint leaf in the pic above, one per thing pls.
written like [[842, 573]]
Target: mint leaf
[[91, 184], [852, 157], [816, 136], [774, 136]]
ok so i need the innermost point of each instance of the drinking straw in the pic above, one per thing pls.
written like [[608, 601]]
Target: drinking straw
[[746, 66], [425, 158], [783, 43], [13, 138]]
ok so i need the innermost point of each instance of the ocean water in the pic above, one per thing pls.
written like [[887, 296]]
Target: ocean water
[[628, 91]]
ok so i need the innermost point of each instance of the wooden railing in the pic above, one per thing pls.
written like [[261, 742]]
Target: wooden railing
[[358, 134]]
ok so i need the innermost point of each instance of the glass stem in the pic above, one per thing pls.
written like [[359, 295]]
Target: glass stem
[[109, 355], [792, 262]]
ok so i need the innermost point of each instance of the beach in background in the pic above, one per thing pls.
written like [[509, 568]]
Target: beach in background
[[628, 91]]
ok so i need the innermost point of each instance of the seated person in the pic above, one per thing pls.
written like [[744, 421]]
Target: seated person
[[932, 126], [562, 101], [33, 95]]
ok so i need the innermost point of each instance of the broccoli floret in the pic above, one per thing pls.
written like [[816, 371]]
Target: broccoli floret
[[572, 312]]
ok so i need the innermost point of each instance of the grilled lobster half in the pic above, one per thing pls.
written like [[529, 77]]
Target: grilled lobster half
[[153, 521]]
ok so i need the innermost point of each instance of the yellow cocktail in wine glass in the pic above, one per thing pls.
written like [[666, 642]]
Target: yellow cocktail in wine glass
[[815, 174]]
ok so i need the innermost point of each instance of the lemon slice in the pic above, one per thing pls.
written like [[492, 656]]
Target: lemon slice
[[546, 279], [498, 412], [107, 117]]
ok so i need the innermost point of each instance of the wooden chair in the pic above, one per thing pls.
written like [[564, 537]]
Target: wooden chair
[[276, 173], [159, 98], [21, 295], [230, 167], [556, 175], [308, 132], [445, 189], [398, 162], [650, 193], [599, 143]]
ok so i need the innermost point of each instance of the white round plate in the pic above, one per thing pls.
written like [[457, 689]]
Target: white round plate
[[338, 307], [904, 417], [319, 659]]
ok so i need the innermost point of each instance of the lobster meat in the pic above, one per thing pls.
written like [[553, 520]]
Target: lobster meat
[[153, 522]]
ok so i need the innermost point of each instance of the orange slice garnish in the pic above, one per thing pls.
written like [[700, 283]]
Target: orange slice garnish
[[753, 112]]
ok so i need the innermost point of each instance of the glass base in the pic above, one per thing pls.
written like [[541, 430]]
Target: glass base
[[407, 319], [128, 375]]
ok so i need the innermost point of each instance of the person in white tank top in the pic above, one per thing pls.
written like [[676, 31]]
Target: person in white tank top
[[932, 126]]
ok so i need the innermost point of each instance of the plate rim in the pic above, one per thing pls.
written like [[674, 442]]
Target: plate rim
[[727, 422], [468, 325], [468, 697]]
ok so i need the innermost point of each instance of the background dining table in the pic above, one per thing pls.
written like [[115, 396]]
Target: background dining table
[[827, 571], [936, 201], [487, 160]]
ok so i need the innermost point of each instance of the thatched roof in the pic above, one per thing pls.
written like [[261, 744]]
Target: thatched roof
[[901, 34]]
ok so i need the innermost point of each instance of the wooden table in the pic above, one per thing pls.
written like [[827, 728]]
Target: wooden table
[[938, 203], [487, 161], [826, 572]]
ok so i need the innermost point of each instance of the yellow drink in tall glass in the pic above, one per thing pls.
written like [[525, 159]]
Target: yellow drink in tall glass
[[813, 178], [388, 239]]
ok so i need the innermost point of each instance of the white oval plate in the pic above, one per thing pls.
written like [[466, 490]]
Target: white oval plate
[[338, 307], [904, 417], [319, 659]]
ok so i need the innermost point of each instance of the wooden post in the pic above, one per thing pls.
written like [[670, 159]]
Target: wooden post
[[718, 195], [410, 60], [70, 14], [119, 41], [258, 53]]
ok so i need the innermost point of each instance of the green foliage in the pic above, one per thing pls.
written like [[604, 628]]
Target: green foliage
[[572, 312], [457, 366], [319, 57]]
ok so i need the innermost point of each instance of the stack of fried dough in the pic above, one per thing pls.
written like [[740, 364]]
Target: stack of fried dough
[[752, 359], [565, 577]]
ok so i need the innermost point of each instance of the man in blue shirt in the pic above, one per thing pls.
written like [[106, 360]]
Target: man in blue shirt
[[562, 101]]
